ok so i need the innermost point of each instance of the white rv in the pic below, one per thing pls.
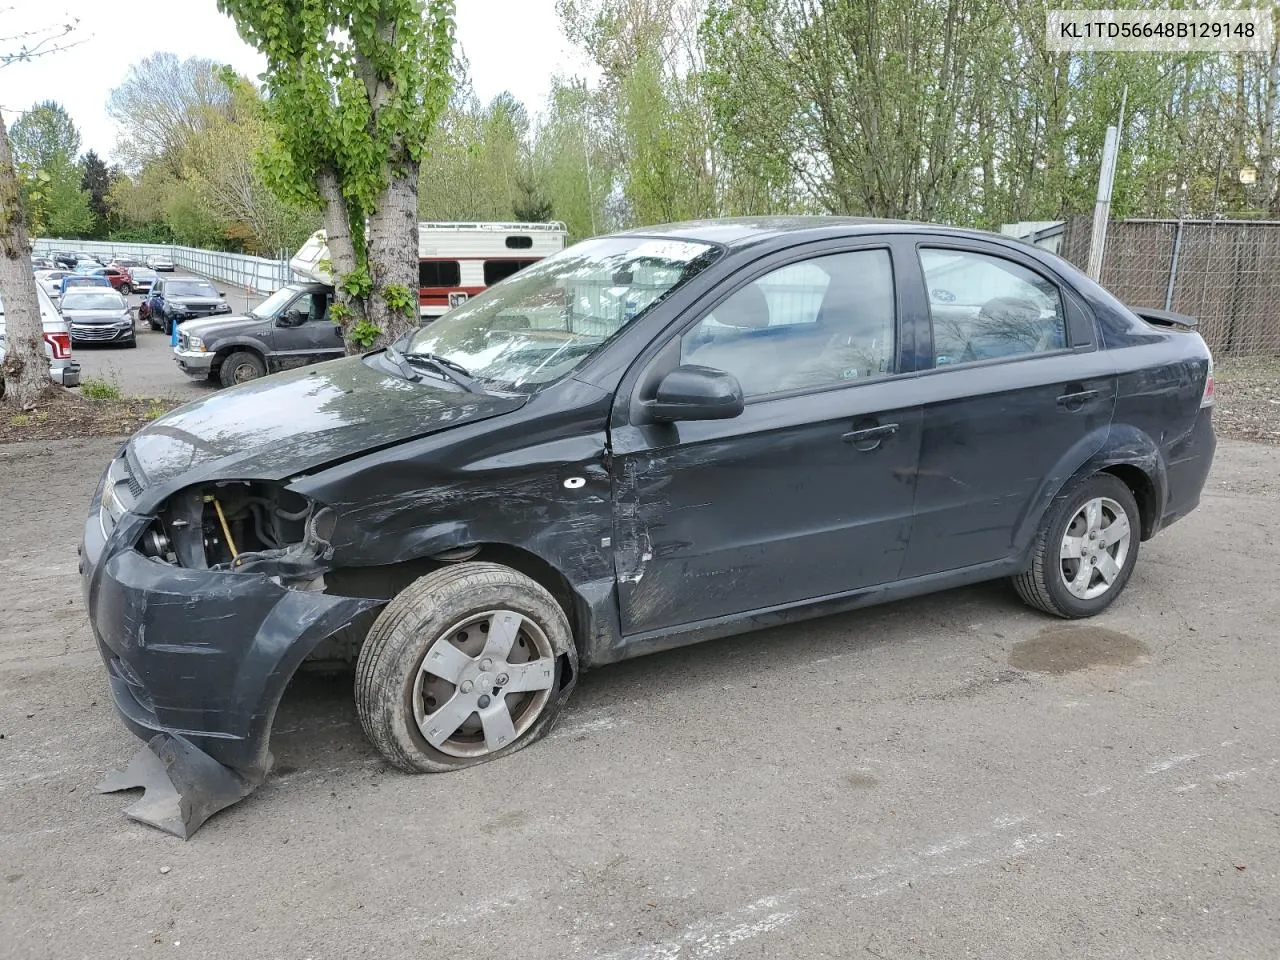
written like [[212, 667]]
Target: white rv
[[455, 260]]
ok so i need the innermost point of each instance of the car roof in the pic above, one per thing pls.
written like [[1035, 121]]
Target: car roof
[[749, 231]]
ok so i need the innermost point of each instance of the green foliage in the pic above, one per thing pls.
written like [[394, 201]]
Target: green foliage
[[400, 298], [357, 284], [95, 180], [44, 137], [94, 388], [339, 313], [364, 334]]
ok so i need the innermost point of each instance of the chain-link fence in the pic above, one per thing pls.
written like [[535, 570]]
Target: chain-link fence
[[253, 274], [1225, 273]]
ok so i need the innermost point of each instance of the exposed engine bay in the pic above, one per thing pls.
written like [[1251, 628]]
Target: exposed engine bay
[[242, 526]]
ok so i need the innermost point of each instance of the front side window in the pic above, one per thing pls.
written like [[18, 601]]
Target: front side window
[[817, 323], [547, 320], [985, 308]]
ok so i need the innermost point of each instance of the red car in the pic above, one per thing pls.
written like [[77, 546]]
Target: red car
[[118, 277]]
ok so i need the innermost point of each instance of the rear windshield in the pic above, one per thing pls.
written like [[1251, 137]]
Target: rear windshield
[[86, 300], [190, 288]]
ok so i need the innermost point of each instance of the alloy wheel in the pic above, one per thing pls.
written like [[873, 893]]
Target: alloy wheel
[[483, 683], [1094, 548]]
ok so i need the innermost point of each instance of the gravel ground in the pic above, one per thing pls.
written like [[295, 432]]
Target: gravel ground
[[1248, 399], [945, 777]]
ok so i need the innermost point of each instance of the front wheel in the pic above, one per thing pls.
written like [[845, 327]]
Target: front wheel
[[468, 663], [125, 289], [241, 368], [1085, 549]]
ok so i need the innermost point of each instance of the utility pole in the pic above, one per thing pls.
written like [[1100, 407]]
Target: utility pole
[[1106, 178]]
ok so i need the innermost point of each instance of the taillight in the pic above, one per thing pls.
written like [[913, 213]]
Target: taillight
[[1206, 399], [61, 344]]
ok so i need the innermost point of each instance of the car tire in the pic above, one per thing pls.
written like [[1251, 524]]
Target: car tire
[[131, 343], [125, 289], [241, 367], [449, 616], [1085, 549]]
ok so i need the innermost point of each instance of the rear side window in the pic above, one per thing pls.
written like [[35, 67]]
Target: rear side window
[[985, 308], [439, 273], [498, 270]]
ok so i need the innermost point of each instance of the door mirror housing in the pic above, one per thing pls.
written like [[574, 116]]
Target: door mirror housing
[[694, 392], [292, 318]]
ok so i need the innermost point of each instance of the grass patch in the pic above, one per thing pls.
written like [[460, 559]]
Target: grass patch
[[95, 389]]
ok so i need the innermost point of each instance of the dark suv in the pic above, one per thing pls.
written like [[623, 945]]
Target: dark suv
[[291, 328], [647, 440], [179, 299]]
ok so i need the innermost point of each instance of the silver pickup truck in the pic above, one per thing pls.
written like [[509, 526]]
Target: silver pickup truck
[[57, 343]]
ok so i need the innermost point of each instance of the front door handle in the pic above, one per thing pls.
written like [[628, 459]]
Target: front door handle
[[1077, 397], [869, 438]]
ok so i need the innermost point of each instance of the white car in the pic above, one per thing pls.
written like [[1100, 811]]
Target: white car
[[50, 281], [161, 263], [57, 343]]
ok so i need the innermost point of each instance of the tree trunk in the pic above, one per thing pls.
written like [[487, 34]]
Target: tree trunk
[[26, 368], [393, 255], [342, 253]]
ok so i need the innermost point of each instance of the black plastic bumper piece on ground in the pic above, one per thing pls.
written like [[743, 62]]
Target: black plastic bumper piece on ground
[[183, 786]]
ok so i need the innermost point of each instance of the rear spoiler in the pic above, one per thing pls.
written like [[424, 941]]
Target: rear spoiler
[[1166, 318]]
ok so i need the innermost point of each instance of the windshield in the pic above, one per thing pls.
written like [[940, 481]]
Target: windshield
[[271, 306], [92, 301], [189, 288], [545, 321], [81, 281]]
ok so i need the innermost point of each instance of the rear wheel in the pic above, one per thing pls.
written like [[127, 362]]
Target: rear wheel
[[465, 665], [125, 289], [1085, 549], [242, 367]]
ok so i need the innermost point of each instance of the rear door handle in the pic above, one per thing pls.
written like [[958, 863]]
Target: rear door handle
[[869, 438]]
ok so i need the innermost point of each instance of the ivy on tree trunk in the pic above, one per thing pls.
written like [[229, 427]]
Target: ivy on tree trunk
[[26, 368], [354, 88]]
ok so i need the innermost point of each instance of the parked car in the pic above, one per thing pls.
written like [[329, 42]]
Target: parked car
[[51, 282], [63, 258], [144, 279], [180, 299], [161, 263], [97, 258], [291, 328], [119, 278], [98, 316], [124, 263], [82, 280], [42, 263], [63, 370], [86, 267], [647, 440]]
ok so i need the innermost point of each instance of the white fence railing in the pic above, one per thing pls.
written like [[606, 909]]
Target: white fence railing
[[248, 273]]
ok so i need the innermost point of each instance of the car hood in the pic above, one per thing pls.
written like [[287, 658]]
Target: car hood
[[111, 315], [294, 421], [223, 323], [193, 301]]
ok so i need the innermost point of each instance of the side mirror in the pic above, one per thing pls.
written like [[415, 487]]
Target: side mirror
[[697, 393], [294, 318]]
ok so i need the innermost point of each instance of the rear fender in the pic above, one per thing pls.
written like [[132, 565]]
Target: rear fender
[[1109, 446]]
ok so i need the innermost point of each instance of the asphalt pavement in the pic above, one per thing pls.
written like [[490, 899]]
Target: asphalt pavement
[[951, 776], [149, 369]]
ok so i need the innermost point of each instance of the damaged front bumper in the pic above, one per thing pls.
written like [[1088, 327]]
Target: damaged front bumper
[[197, 661]]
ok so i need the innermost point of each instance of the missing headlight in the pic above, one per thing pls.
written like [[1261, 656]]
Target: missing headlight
[[241, 525]]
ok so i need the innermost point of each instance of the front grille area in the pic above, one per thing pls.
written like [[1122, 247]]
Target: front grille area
[[82, 331]]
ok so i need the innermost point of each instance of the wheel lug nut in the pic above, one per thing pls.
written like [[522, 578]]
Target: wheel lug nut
[[486, 664], [466, 686], [483, 702], [502, 679]]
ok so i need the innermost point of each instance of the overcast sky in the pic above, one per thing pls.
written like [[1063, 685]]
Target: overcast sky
[[514, 45]]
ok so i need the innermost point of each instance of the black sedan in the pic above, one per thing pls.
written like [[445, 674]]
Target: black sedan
[[647, 440]]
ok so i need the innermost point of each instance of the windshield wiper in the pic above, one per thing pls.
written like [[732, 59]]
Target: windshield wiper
[[406, 371], [452, 370]]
